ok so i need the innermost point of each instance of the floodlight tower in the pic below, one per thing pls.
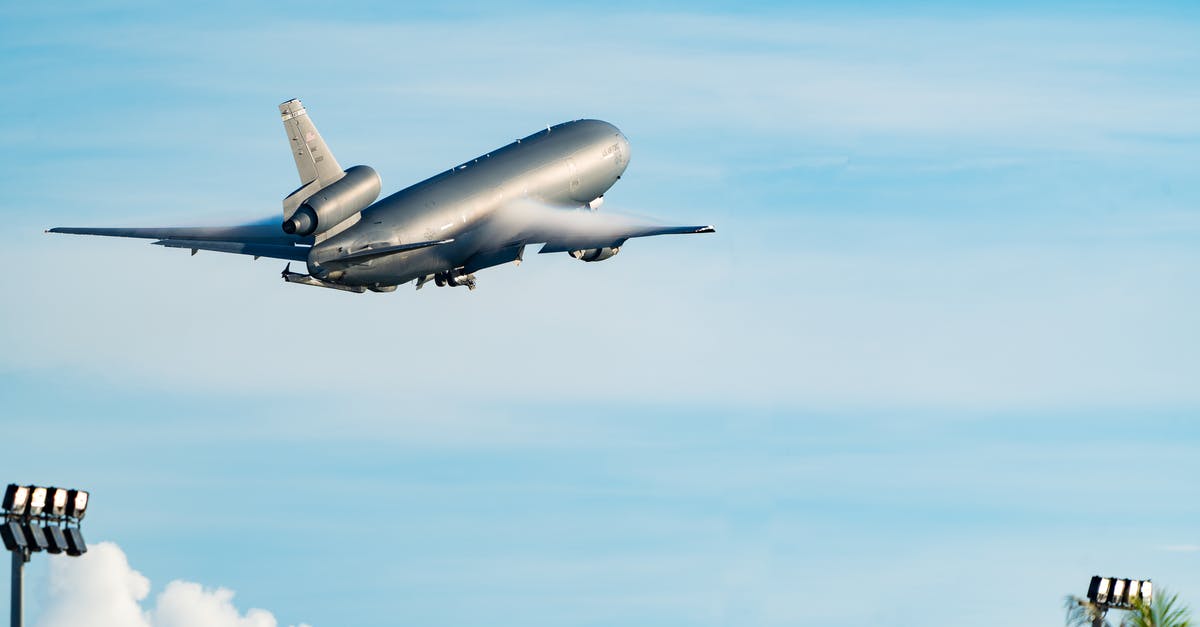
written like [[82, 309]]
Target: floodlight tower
[[1122, 594], [39, 519]]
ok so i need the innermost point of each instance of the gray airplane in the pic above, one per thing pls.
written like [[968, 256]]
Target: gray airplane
[[543, 189]]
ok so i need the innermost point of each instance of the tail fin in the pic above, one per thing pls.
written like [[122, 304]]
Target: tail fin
[[313, 159]]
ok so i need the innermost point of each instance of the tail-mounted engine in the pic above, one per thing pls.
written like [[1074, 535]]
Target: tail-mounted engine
[[596, 254], [331, 205]]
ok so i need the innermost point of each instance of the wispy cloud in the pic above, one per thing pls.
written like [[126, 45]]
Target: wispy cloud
[[895, 318], [980, 230], [1044, 82], [1182, 548]]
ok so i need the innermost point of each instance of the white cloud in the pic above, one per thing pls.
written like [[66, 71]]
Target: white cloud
[[187, 604], [101, 589]]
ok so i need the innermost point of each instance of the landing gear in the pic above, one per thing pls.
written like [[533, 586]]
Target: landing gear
[[452, 278]]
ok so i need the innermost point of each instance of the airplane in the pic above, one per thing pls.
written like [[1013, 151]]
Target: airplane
[[543, 189]]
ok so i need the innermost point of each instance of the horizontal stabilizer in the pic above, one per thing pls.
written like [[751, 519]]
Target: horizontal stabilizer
[[274, 251]]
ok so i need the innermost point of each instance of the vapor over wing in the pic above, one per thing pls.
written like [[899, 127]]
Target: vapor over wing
[[563, 230]]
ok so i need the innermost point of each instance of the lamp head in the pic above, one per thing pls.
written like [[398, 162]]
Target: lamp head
[[16, 498], [57, 504], [77, 502], [37, 500]]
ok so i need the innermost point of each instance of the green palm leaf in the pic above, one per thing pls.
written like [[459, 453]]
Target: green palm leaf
[[1163, 611]]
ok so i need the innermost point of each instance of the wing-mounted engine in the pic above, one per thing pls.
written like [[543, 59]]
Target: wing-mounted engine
[[596, 254], [320, 210]]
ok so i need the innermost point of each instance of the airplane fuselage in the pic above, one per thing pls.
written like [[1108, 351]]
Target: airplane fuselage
[[567, 165], [477, 215]]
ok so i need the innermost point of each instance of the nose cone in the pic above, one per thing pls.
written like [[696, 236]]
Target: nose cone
[[614, 146], [622, 153]]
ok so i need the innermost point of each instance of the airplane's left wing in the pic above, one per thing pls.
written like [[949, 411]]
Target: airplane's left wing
[[259, 240]]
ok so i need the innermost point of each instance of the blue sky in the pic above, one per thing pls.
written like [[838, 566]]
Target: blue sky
[[942, 349]]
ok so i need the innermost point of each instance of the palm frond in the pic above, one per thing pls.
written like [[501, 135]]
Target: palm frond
[[1083, 613], [1163, 611]]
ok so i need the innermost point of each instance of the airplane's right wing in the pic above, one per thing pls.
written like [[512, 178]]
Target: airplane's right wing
[[565, 230], [565, 242]]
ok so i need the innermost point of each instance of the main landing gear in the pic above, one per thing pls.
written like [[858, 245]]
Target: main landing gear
[[452, 278]]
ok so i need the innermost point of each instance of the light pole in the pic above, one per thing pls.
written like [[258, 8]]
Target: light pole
[[39, 519], [18, 563], [1107, 593]]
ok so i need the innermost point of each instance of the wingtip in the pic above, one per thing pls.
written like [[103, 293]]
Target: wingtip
[[707, 229]]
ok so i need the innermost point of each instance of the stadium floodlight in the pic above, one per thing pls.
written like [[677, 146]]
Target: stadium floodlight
[[37, 500], [58, 502], [55, 539], [14, 536], [16, 497], [77, 502], [35, 537], [75, 544], [36, 519], [1121, 594]]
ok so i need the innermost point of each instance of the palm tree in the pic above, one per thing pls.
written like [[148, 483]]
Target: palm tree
[[1084, 613], [1163, 611]]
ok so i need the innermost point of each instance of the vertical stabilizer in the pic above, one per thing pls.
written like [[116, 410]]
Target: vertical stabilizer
[[314, 162]]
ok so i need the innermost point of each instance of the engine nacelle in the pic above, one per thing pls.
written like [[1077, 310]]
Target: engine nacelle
[[334, 203], [595, 254]]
